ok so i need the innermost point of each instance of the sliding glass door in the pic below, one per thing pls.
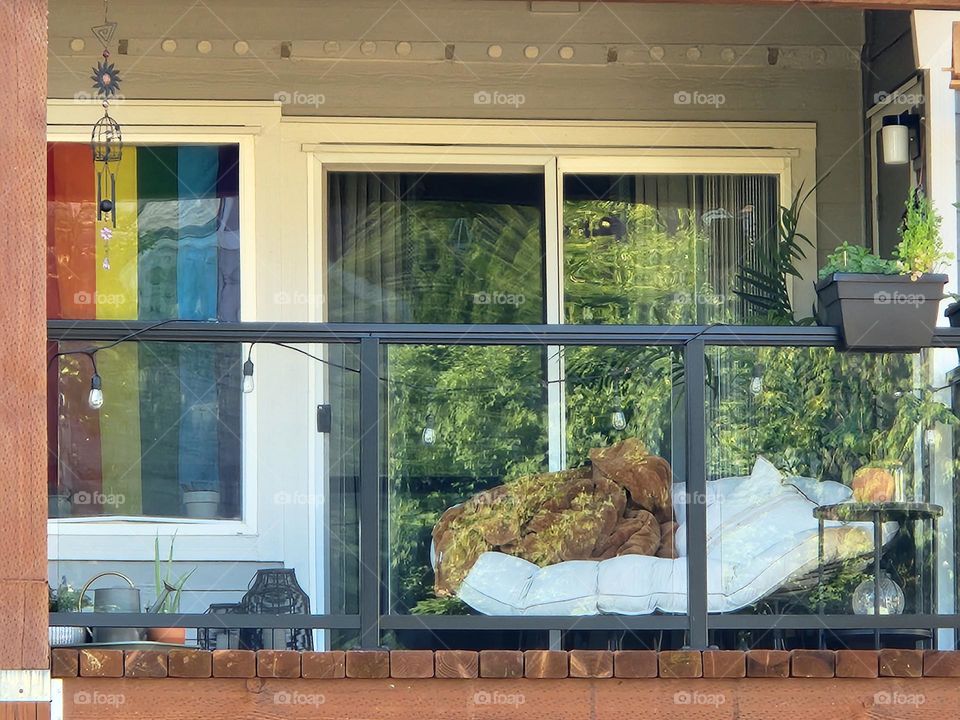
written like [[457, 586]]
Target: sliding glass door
[[655, 241]]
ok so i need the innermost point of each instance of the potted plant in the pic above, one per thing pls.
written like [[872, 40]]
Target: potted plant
[[200, 503], [887, 304], [58, 503], [66, 599], [952, 313], [168, 595]]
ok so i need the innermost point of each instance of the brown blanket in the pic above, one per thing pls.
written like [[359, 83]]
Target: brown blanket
[[620, 505]]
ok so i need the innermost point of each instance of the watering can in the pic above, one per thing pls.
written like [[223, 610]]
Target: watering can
[[124, 599]]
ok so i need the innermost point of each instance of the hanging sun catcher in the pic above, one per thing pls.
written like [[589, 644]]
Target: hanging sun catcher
[[106, 140]]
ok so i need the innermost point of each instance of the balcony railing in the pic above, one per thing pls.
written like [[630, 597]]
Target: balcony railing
[[693, 344]]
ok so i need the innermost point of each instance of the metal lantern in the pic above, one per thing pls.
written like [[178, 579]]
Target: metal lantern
[[106, 141], [275, 591]]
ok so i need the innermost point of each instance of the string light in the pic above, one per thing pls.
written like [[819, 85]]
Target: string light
[[617, 417], [95, 398], [429, 434], [248, 383], [756, 384]]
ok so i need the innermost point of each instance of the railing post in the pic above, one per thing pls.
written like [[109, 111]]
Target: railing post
[[369, 493], [694, 374]]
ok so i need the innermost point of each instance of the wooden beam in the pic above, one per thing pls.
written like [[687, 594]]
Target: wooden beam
[[23, 451], [955, 70], [566, 699], [855, 4]]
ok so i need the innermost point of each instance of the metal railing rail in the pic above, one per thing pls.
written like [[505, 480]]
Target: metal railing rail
[[371, 621]]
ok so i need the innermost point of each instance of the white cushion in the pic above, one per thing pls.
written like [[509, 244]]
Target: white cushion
[[760, 533], [501, 584]]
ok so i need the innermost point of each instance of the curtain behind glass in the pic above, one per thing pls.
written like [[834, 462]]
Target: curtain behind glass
[[365, 246], [666, 248]]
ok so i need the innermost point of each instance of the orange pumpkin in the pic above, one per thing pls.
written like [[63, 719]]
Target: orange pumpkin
[[873, 484]]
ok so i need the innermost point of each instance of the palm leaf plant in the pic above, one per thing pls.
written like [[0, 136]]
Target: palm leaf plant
[[765, 287]]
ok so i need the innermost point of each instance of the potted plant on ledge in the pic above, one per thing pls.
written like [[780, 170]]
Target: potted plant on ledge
[[887, 304], [168, 596]]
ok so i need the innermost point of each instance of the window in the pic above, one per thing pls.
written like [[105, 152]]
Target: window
[[167, 444]]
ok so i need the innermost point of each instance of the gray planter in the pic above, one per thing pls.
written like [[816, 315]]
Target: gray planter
[[881, 312], [952, 313], [62, 635]]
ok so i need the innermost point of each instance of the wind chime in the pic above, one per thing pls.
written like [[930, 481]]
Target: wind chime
[[106, 140]]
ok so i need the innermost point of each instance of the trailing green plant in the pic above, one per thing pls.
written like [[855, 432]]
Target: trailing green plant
[[163, 573], [765, 287], [847, 258], [921, 245], [920, 249]]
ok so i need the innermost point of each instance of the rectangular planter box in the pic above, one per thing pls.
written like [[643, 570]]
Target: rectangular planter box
[[881, 312], [952, 313]]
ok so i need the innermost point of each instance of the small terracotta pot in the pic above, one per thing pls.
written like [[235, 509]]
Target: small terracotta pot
[[174, 636]]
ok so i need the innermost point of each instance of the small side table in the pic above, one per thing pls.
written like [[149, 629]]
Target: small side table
[[877, 513]]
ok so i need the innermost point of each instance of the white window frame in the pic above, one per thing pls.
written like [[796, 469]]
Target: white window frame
[[785, 148], [553, 161], [208, 123]]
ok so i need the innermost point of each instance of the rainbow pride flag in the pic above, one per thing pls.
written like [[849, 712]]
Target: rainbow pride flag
[[171, 420]]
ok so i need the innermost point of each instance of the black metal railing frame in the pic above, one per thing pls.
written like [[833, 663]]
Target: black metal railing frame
[[371, 622]]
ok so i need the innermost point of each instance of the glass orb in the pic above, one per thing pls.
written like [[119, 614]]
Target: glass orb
[[891, 597]]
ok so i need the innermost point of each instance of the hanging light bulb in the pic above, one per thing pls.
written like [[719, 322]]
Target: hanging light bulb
[[429, 434], [95, 399], [617, 418], [756, 384], [248, 376]]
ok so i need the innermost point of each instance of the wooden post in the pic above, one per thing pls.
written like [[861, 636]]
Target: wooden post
[[24, 673], [955, 67]]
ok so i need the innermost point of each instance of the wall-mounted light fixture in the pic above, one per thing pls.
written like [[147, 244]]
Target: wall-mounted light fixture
[[897, 133]]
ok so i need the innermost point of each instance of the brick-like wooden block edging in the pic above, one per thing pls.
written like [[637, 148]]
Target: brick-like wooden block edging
[[411, 664], [330, 665], [901, 663], [813, 663], [724, 664], [501, 664], [591, 663], [504, 664], [768, 663]]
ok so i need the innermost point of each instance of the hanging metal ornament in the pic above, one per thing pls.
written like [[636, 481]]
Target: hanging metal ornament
[[106, 140]]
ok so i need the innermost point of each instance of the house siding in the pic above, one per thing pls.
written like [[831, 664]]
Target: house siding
[[429, 59]]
